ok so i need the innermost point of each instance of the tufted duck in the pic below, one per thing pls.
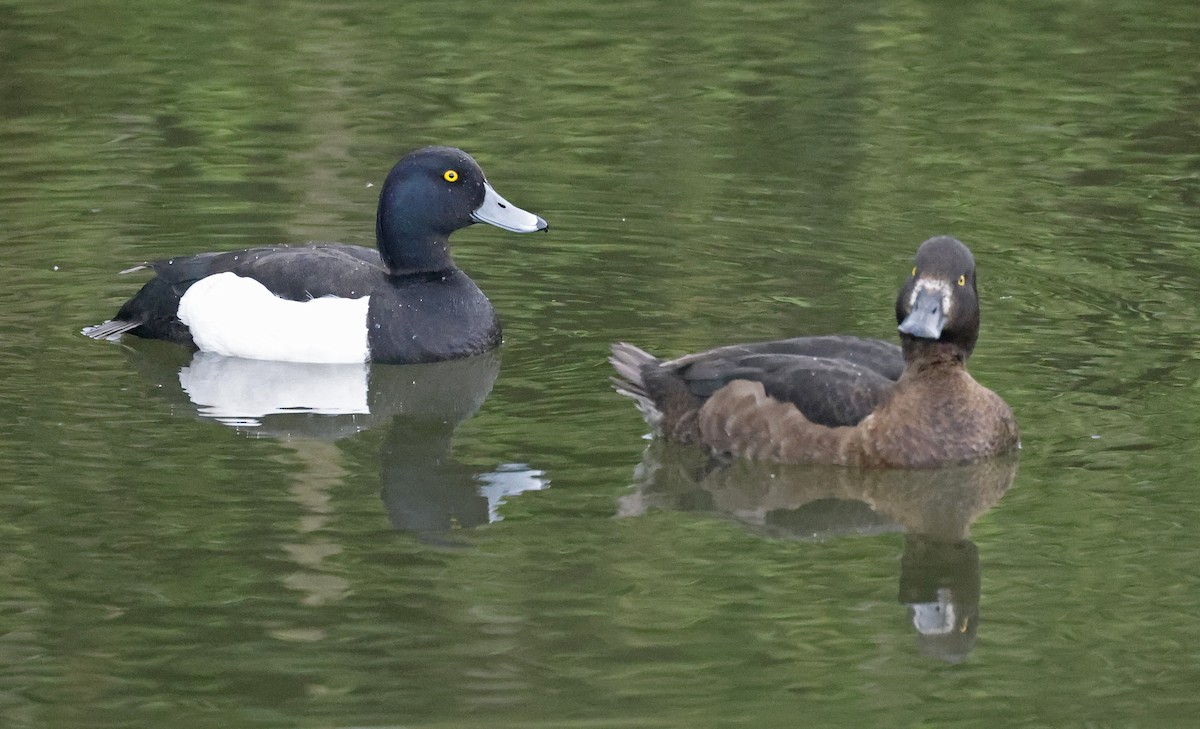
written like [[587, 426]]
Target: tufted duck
[[326, 302], [841, 400]]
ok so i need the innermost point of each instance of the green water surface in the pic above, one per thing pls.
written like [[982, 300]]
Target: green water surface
[[496, 545]]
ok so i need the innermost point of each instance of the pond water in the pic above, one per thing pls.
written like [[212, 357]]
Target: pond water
[[495, 542]]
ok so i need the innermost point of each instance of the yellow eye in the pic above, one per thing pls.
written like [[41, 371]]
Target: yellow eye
[[450, 175], [962, 280], [914, 271]]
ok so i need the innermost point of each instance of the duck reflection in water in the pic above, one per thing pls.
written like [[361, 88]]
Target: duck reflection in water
[[939, 569], [307, 406]]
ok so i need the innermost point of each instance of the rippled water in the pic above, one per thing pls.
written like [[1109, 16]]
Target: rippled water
[[211, 542]]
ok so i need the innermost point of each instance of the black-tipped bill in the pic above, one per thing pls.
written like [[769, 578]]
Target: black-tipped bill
[[927, 316], [499, 212]]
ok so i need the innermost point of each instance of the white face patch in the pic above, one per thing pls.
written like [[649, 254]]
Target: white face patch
[[935, 286], [239, 317]]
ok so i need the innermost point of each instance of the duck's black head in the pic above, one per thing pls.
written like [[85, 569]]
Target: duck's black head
[[937, 309], [428, 195]]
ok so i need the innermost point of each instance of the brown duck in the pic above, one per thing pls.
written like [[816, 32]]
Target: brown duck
[[840, 400]]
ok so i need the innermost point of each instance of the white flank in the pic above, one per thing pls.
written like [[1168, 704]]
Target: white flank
[[935, 286], [239, 317]]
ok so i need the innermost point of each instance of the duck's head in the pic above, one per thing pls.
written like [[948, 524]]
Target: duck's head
[[937, 309], [428, 195]]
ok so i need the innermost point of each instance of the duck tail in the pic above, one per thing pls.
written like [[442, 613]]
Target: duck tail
[[111, 329], [631, 364]]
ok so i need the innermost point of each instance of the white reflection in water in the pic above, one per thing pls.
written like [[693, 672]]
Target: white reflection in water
[[510, 479], [240, 392]]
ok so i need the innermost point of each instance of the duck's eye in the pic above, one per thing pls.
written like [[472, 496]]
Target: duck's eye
[[450, 175], [962, 280]]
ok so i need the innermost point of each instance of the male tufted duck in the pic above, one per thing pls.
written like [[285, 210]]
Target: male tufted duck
[[327, 302], [841, 400]]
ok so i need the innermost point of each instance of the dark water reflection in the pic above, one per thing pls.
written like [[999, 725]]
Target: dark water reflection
[[939, 569], [417, 407]]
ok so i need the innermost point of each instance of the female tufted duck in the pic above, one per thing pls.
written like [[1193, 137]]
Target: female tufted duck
[[841, 400], [327, 302]]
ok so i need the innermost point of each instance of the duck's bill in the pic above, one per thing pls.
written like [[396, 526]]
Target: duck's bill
[[928, 315], [499, 212]]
